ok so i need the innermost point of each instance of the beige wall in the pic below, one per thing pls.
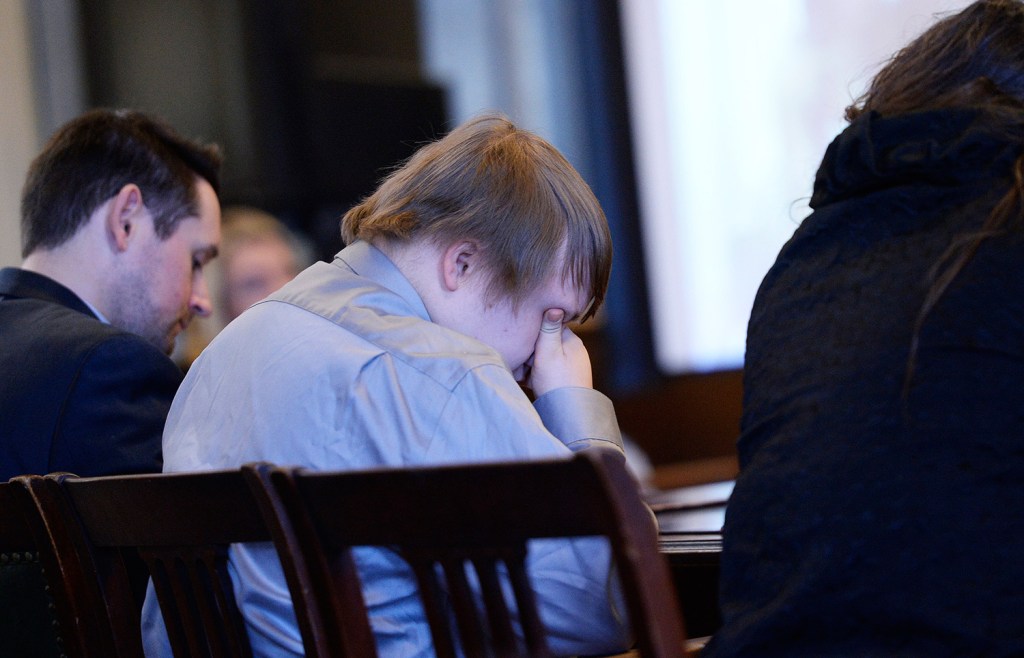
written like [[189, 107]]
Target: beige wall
[[18, 127]]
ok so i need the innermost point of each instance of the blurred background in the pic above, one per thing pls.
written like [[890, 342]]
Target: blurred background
[[699, 125]]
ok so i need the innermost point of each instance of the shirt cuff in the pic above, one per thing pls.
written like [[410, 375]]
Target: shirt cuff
[[581, 418]]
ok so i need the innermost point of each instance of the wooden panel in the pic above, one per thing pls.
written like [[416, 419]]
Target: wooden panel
[[689, 418]]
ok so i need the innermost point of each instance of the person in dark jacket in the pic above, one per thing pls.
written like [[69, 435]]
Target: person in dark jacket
[[879, 507], [119, 216]]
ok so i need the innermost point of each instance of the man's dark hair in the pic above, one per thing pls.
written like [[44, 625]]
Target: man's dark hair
[[89, 160]]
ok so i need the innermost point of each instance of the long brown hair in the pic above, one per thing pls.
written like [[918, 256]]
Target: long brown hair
[[970, 59]]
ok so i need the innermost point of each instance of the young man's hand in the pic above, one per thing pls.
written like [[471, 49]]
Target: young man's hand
[[559, 358]]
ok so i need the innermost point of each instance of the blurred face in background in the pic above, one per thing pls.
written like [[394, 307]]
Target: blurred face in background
[[253, 271]]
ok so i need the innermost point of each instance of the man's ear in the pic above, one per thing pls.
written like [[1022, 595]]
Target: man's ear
[[124, 214], [460, 261]]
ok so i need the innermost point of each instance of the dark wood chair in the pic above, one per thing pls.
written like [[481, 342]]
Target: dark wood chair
[[32, 621], [180, 525], [441, 519]]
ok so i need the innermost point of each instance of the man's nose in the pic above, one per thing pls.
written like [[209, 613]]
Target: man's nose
[[200, 303]]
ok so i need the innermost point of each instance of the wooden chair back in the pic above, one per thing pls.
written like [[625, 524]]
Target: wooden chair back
[[16, 536], [32, 621], [444, 518], [181, 526]]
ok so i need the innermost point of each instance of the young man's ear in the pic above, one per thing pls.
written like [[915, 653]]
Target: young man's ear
[[460, 261], [123, 216]]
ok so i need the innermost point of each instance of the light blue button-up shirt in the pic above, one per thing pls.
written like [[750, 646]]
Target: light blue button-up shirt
[[343, 369]]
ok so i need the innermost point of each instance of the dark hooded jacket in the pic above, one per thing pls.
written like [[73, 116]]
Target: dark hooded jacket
[[876, 516]]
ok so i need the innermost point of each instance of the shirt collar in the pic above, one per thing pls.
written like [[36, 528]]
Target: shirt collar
[[367, 261], [95, 311]]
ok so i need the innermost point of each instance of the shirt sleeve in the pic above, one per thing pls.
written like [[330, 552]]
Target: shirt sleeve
[[580, 418]]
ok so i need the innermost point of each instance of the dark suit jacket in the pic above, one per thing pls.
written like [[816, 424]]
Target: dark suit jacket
[[76, 394]]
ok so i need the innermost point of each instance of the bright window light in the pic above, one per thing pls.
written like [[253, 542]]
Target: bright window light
[[733, 105]]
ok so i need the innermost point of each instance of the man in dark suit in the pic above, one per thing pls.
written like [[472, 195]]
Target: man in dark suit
[[119, 216]]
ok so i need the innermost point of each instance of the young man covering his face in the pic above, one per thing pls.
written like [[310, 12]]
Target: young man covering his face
[[460, 274]]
